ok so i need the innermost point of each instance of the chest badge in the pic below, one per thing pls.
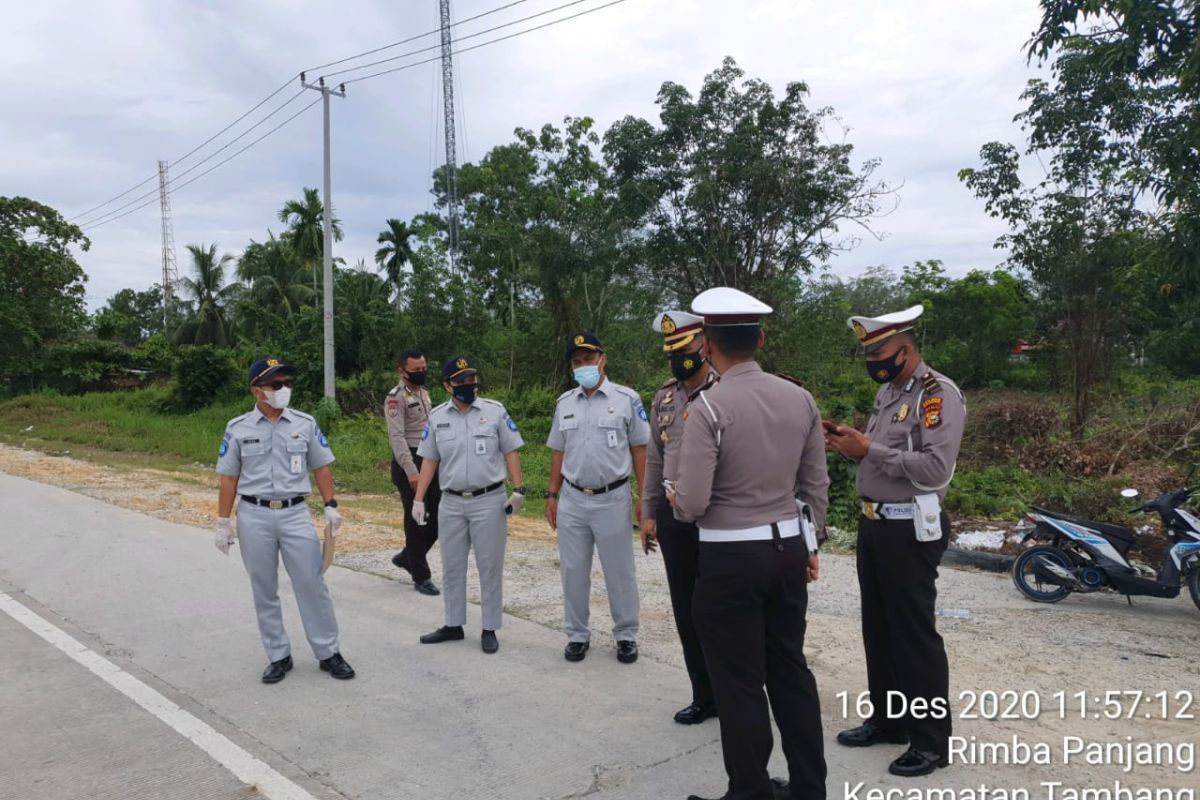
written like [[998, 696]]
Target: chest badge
[[664, 437], [483, 420], [611, 410], [670, 394], [295, 434], [902, 414]]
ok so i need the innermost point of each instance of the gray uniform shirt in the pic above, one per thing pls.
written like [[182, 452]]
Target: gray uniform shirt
[[406, 411], [272, 461], [927, 410], [666, 432], [595, 433], [469, 447], [770, 441]]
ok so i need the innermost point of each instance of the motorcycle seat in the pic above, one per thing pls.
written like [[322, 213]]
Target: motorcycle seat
[[1122, 538]]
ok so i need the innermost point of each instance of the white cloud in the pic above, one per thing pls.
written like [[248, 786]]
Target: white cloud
[[107, 89]]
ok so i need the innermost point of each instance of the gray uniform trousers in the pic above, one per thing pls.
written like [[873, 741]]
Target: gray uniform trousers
[[263, 535], [602, 521], [479, 522]]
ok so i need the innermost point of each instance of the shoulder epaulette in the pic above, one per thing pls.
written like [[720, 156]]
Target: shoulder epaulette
[[440, 406], [395, 390], [493, 402], [302, 415], [789, 379], [238, 418], [565, 395], [930, 383], [670, 382]]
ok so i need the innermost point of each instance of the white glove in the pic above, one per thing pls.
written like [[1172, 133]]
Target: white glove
[[419, 515], [333, 517], [514, 503], [223, 534]]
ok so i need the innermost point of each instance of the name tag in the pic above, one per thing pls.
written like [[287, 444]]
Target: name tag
[[612, 438], [297, 464], [480, 447]]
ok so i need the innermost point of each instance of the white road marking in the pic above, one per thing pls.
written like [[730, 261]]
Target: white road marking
[[244, 766]]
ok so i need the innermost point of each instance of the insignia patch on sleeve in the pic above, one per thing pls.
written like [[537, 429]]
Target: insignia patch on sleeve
[[425, 433], [224, 448], [931, 412], [321, 438], [641, 411], [511, 423]]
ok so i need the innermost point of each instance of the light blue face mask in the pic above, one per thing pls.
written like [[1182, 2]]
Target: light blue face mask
[[588, 377]]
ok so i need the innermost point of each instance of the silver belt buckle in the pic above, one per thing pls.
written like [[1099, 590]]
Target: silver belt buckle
[[275, 504], [589, 492], [468, 494]]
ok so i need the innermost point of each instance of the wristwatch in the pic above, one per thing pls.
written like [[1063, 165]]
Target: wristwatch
[[548, 495], [518, 490], [331, 503]]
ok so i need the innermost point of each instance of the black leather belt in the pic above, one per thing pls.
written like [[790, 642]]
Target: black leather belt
[[275, 504], [602, 489], [476, 492]]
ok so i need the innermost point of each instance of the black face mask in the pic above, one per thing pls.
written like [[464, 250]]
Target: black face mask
[[685, 365], [465, 393], [886, 370], [416, 378]]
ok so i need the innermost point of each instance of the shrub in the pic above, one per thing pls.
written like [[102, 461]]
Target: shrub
[[203, 374], [156, 355], [327, 413], [88, 365]]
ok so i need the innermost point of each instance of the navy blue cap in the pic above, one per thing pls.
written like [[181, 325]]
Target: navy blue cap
[[459, 365], [266, 367], [583, 341]]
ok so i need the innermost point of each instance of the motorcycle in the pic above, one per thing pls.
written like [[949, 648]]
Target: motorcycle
[[1065, 554]]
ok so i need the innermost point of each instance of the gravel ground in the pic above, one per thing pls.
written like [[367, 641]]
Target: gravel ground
[[995, 639]]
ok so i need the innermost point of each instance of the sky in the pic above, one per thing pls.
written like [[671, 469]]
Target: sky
[[99, 92]]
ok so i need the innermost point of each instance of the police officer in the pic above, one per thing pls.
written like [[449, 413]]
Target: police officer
[[683, 339], [467, 443], [406, 409], [748, 443], [905, 462], [598, 434], [265, 459]]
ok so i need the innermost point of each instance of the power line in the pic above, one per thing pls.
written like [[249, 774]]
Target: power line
[[191, 152], [206, 159], [459, 39], [490, 41], [412, 38], [220, 163]]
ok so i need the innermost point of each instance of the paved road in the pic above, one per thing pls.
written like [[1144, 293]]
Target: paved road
[[131, 662]]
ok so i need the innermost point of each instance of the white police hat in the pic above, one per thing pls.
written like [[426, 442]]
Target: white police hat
[[728, 306], [872, 332], [678, 328]]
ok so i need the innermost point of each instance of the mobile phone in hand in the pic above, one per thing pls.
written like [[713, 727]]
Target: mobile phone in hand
[[830, 426]]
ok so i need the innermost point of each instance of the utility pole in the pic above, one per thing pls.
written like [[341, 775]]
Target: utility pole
[[448, 112], [170, 270], [327, 248]]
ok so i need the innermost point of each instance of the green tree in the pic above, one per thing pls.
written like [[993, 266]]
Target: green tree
[[275, 275], [130, 316], [41, 287], [395, 252], [305, 219], [207, 322], [739, 188]]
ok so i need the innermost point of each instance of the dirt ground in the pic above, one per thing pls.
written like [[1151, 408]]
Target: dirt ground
[[995, 639]]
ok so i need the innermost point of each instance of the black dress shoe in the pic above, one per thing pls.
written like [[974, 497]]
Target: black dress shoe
[[443, 634], [489, 642], [916, 762], [401, 561], [695, 714], [338, 667], [276, 670], [779, 791], [426, 587], [576, 650], [627, 651], [869, 733]]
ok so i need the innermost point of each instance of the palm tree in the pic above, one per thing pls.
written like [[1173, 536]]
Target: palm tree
[[275, 275], [207, 323], [395, 252], [305, 219]]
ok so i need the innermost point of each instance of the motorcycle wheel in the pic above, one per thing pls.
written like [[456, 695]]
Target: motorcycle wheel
[[1194, 584], [1028, 583]]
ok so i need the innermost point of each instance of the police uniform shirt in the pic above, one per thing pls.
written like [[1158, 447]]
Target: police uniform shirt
[[666, 435], [406, 410], [745, 451], [927, 411], [273, 460], [595, 433], [469, 447]]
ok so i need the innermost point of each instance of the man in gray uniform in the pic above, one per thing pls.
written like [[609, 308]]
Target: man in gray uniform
[[748, 443], [265, 458], [467, 443], [406, 410], [905, 463], [683, 340], [598, 434]]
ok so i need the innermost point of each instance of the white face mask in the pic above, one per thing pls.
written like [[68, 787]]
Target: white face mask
[[278, 398]]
